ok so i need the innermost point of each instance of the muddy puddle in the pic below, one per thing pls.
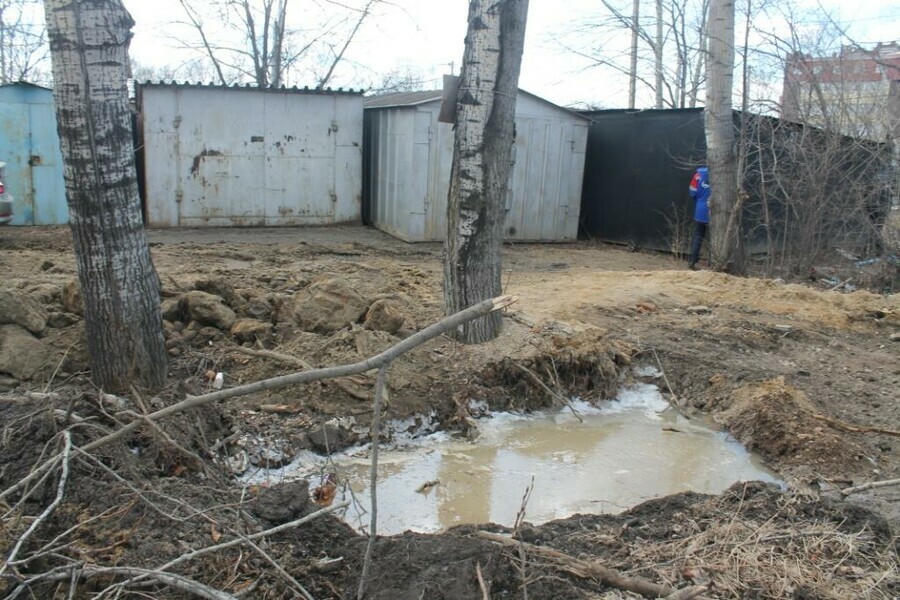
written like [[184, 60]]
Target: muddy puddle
[[583, 459]]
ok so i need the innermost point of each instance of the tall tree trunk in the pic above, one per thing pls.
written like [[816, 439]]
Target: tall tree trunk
[[725, 208], [278, 45], [485, 129], [632, 73], [120, 288], [699, 67], [658, 50]]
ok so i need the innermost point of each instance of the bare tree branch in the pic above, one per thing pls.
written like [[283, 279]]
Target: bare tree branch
[[339, 55], [380, 390], [198, 25], [60, 492], [179, 582]]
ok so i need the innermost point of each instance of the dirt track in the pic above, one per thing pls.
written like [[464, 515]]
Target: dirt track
[[806, 377]]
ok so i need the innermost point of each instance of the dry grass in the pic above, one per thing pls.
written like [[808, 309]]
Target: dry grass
[[743, 553]]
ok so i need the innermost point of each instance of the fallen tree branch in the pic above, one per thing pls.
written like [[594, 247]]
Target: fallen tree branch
[[53, 545], [37, 472], [285, 358], [588, 569], [853, 428], [870, 486], [485, 592], [237, 541], [298, 587], [179, 582], [374, 362], [60, 492], [299, 362], [673, 397], [559, 397], [253, 536]]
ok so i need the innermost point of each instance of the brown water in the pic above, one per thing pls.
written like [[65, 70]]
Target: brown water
[[633, 449]]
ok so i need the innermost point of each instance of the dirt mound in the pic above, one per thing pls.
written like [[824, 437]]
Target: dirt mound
[[585, 363], [752, 541], [779, 422]]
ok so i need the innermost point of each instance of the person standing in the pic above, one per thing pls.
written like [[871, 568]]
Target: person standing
[[699, 191]]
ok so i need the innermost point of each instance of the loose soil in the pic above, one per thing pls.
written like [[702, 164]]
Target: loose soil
[[804, 376]]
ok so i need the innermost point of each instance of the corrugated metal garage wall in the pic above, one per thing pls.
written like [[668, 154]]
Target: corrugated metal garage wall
[[409, 156], [218, 156], [29, 145]]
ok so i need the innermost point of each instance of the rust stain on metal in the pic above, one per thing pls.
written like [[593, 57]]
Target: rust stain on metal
[[198, 159]]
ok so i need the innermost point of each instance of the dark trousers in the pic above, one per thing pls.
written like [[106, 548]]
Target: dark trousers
[[697, 242]]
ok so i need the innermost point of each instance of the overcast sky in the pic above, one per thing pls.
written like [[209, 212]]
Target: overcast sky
[[427, 36]]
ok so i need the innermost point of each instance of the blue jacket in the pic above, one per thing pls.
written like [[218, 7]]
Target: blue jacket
[[700, 191]]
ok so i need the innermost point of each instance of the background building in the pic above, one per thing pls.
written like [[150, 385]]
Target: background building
[[855, 92]]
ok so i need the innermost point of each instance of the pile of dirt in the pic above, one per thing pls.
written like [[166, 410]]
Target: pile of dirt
[[780, 423]]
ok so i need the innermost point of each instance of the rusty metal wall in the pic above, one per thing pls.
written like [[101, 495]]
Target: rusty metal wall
[[409, 155], [219, 156], [29, 145]]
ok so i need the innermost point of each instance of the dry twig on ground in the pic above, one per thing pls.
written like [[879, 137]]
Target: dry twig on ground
[[587, 569], [75, 572], [60, 492], [870, 486]]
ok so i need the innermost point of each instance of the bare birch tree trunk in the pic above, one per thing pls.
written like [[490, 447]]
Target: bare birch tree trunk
[[724, 207], [632, 72], [658, 55], [485, 129], [702, 59], [89, 49]]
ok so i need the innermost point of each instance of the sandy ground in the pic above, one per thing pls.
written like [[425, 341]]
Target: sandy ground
[[806, 377]]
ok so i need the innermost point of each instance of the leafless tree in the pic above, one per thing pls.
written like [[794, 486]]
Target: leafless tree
[[725, 201], [485, 123], [824, 174], [256, 41], [403, 79], [196, 69], [120, 288], [666, 56], [24, 52], [635, 37]]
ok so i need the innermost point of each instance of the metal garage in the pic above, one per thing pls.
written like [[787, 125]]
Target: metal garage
[[29, 145], [220, 156], [409, 154]]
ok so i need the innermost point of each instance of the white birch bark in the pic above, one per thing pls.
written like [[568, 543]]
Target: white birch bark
[[725, 212], [89, 50], [485, 123], [632, 70], [658, 55]]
